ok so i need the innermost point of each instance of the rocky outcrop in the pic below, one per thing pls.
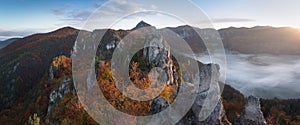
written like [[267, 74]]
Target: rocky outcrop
[[51, 75], [207, 108], [58, 93], [252, 114], [60, 75], [208, 93], [156, 51], [158, 104], [217, 117], [141, 24]]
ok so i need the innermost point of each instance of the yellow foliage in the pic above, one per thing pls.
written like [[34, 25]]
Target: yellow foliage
[[35, 120], [61, 61], [169, 93]]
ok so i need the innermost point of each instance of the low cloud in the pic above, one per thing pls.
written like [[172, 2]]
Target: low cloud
[[7, 34], [2, 38], [266, 76], [13, 34]]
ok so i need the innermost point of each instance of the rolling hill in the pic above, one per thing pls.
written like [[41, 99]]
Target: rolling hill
[[7, 42]]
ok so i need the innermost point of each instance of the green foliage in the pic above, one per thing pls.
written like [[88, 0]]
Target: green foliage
[[99, 58]]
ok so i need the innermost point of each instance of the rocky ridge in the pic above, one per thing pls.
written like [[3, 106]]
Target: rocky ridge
[[68, 96]]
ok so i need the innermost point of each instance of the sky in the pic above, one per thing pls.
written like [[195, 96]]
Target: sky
[[20, 18]]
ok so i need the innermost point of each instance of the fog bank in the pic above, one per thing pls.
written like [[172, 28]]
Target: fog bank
[[263, 75]]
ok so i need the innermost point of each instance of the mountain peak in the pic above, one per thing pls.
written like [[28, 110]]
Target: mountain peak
[[141, 24], [67, 28], [64, 31]]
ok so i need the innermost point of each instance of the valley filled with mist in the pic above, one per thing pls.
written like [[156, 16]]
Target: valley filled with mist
[[262, 75]]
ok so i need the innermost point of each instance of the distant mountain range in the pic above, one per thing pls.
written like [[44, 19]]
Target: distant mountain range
[[7, 42], [255, 40], [262, 40]]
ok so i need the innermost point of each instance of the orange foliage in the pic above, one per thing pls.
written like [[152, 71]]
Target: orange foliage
[[169, 93], [62, 66], [142, 83], [120, 101], [115, 97], [61, 62]]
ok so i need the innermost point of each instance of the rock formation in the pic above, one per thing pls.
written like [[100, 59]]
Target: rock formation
[[158, 104], [252, 114], [141, 25], [159, 53], [208, 93]]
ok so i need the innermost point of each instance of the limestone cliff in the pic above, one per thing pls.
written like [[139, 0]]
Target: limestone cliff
[[209, 89], [252, 114]]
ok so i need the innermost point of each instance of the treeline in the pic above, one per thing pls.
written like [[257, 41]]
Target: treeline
[[276, 111], [283, 112]]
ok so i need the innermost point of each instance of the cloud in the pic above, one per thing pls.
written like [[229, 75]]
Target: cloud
[[2, 38], [264, 76], [113, 8], [126, 6], [153, 7], [120, 7], [19, 33], [79, 14], [58, 12], [231, 20], [13, 34], [62, 10], [71, 15]]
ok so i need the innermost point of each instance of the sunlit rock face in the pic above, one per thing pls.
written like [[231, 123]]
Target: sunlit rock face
[[252, 114], [208, 92], [158, 52], [58, 93]]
